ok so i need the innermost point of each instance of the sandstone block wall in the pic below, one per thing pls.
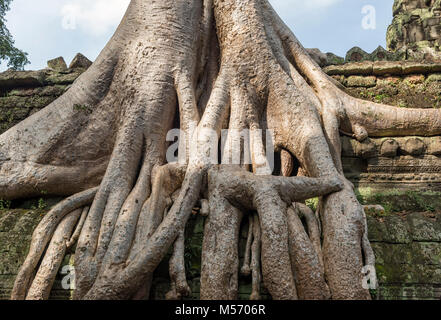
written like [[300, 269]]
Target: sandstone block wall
[[416, 23], [411, 163], [407, 249], [22, 93], [408, 252], [16, 227]]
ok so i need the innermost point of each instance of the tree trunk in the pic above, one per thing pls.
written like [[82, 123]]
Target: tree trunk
[[207, 65]]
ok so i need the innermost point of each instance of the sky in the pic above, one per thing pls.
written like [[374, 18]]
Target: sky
[[47, 29]]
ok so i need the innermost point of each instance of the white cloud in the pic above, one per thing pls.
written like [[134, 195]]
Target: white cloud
[[298, 7], [100, 16], [93, 17], [37, 26]]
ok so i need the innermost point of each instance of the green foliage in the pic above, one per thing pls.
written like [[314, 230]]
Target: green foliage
[[5, 204], [312, 203], [437, 101], [400, 200], [380, 97], [403, 104], [365, 94], [15, 58], [374, 294], [41, 205]]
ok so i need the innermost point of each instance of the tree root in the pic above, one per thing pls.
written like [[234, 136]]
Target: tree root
[[252, 257], [265, 80], [255, 260], [78, 228], [313, 229], [179, 285], [246, 268], [43, 234], [44, 279], [308, 271], [268, 195]]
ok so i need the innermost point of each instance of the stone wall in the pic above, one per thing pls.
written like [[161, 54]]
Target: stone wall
[[385, 163], [408, 255], [16, 227], [416, 25], [22, 93], [414, 34], [407, 249], [401, 174]]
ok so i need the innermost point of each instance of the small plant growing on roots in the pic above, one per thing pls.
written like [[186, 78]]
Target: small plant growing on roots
[[207, 65]]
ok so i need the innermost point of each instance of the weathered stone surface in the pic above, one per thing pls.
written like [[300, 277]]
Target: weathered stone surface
[[22, 93], [408, 253], [417, 68], [15, 232], [358, 81], [434, 146], [400, 162], [353, 148], [389, 81], [16, 228], [416, 26], [424, 228], [357, 54], [319, 57], [334, 59], [11, 79], [377, 230], [325, 59], [57, 64], [348, 69], [397, 230], [408, 256], [413, 146], [380, 54], [434, 77], [55, 78], [387, 68], [389, 148], [383, 68]]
